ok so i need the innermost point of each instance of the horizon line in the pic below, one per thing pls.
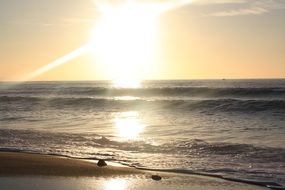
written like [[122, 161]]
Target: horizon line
[[90, 80]]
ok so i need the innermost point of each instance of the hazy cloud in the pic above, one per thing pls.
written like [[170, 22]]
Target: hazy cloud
[[250, 7], [237, 12], [208, 2], [237, 7], [59, 22]]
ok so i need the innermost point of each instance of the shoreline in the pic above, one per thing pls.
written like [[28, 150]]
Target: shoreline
[[31, 164], [21, 164]]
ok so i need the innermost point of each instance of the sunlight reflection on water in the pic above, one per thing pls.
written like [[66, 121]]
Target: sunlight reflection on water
[[126, 83], [118, 184], [126, 98], [128, 125]]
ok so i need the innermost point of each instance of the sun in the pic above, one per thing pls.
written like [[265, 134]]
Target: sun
[[124, 40]]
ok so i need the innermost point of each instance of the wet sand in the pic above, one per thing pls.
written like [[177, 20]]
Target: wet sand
[[20, 164], [53, 172]]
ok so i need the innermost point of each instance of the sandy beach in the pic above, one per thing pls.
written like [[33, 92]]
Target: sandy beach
[[21, 164], [54, 172]]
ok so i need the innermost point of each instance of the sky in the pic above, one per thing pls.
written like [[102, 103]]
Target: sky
[[198, 39]]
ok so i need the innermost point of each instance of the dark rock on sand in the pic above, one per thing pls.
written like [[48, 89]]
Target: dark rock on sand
[[156, 177], [101, 163]]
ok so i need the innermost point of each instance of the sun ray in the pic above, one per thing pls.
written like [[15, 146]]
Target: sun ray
[[68, 57], [145, 12]]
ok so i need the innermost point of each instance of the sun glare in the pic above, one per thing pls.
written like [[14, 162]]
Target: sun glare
[[124, 40], [118, 184], [128, 125], [126, 83]]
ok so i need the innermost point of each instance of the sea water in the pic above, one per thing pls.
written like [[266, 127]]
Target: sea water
[[233, 128]]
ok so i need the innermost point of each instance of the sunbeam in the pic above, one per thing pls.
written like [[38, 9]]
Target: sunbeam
[[68, 57], [105, 7]]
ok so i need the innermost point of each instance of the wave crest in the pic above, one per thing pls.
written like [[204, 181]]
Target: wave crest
[[146, 104]]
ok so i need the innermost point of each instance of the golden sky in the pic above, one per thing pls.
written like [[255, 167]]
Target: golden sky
[[148, 39]]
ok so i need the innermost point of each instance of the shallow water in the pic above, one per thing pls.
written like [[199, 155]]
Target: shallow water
[[231, 127]]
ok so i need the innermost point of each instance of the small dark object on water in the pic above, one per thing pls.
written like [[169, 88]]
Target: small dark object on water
[[101, 163], [156, 177]]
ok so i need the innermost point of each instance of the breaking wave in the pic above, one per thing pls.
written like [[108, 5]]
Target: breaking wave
[[241, 160], [186, 105], [158, 91]]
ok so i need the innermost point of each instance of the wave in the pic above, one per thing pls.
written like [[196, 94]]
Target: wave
[[228, 159], [157, 91], [246, 152], [264, 183], [146, 104], [189, 91], [195, 146], [96, 140]]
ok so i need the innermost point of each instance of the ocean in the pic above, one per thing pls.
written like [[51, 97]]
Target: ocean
[[233, 128]]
